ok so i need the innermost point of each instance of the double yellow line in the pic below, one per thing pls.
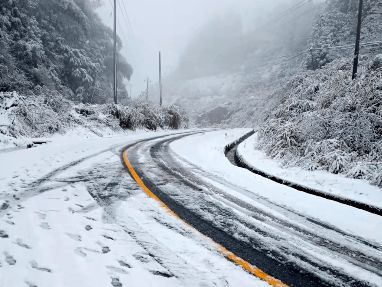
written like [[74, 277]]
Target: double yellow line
[[228, 254]]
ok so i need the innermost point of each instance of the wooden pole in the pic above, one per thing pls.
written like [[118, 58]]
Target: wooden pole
[[357, 41], [160, 80], [147, 89], [115, 55]]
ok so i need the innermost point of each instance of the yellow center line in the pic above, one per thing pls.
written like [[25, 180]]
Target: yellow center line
[[228, 254]]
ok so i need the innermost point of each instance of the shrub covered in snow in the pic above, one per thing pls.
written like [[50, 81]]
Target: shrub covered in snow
[[327, 121], [23, 117], [144, 115]]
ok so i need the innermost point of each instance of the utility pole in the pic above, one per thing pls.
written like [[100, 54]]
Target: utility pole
[[115, 55], [160, 79], [358, 39], [147, 89]]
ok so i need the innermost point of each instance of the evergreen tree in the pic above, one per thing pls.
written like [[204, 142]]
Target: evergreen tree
[[58, 44]]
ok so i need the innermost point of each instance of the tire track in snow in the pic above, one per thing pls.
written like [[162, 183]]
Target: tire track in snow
[[173, 170]]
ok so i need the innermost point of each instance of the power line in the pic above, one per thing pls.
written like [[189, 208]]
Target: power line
[[283, 14], [122, 35], [296, 6], [125, 32], [127, 17], [284, 59], [115, 54], [160, 80], [122, 12], [115, 88]]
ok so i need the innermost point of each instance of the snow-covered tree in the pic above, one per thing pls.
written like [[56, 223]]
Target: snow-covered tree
[[59, 44], [335, 31]]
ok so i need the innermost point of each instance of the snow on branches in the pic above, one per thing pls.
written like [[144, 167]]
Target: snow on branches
[[326, 121]]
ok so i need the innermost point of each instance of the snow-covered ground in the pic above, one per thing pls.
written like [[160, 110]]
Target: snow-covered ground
[[207, 152], [70, 215], [355, 189]]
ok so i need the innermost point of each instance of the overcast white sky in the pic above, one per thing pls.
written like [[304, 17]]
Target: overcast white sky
[[168, 25]]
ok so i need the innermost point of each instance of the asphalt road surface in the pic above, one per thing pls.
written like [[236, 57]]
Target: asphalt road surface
[[285, 244]]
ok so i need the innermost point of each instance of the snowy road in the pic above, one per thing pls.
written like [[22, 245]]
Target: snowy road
[[70, 215], [302, 247]]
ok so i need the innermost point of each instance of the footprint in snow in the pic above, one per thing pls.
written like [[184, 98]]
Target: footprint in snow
[[105, 249], [90, 218], [142, 258], [162, 274], [75, 237], [20, 243], [41, 215], [115, 282], [34, 265], [45, 225], [117, 270], [91, 250], [124, 264], [9, 259], [4, 206], [30, 284], [79, 251], [3, 234], [108, 237]]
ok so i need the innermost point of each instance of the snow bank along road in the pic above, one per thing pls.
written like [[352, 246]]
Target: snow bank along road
[[295, 238], [365, 195]]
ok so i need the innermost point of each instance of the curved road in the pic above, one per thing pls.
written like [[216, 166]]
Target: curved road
[[292, 247]]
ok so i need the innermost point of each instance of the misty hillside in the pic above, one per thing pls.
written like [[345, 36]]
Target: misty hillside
[[60, 46], [230, 70], [291, 78]]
